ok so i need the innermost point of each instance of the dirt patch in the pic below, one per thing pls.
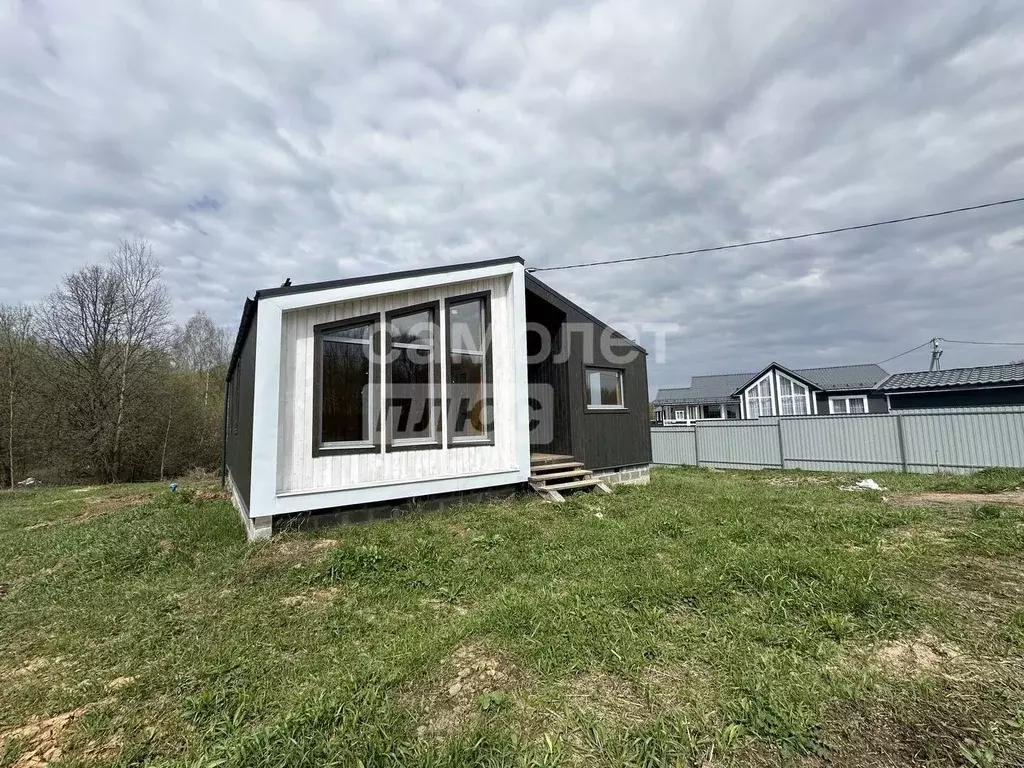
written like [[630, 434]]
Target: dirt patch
[[43, 737], [31, 667], [313, 597], [922, 655], [1006, 498], [119, 682], [277, 551], [460, 690]]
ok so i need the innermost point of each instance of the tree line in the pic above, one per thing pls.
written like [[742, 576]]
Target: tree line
[[97, 383]]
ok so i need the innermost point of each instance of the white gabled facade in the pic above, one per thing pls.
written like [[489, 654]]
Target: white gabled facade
[[287, 477]]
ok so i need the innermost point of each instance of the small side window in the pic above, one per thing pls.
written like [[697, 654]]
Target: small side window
[[604, 389]]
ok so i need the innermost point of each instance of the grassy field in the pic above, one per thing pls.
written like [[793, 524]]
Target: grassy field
[[749, 618]]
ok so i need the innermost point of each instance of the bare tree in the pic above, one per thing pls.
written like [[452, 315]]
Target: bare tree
[[142, 324], [17, 341], [79, 322], [107, 327], [200, 346]]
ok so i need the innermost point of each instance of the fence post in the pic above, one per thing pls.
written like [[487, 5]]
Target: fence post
[[696, 449], [782, 449], [902, 441]]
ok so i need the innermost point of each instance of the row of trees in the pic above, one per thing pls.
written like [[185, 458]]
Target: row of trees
[[96, 382]]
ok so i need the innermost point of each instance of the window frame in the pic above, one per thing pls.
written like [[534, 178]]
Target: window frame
[[391, 445], [834, 398], [806, 395], [451, 439], [320, 448], [770, 378], [621, 373]]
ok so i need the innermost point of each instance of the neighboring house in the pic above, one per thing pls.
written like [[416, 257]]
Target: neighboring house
[[774, 391], [427, 383], [956, 388]]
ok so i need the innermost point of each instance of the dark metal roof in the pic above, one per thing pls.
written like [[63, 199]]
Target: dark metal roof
[[721, 388], [955, 377]]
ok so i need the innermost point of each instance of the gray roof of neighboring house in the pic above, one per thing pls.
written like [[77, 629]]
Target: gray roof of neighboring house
[[955, 377], [719, 389]]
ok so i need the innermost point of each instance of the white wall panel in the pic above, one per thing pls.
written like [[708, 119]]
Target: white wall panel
[[297, 470]]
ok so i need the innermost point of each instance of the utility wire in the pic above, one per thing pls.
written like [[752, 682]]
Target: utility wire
[[901, 354], [786, 238], [987, 343]]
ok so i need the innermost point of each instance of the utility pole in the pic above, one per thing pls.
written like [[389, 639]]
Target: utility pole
[[936, 354]]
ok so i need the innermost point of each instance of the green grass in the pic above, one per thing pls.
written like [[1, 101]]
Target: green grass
[[747, 618]]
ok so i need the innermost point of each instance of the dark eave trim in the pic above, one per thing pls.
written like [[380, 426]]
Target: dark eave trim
[[383, 278], [248, 315]]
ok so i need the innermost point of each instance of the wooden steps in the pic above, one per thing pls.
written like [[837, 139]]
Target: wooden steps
[[551, 475]]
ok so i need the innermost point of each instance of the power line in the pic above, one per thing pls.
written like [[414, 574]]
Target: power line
[[784, 239], [987, 343], [901, 354]]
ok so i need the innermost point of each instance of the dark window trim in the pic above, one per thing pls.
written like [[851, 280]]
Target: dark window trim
[[373, 320], [587, 408], [471, 442], [434, 307]]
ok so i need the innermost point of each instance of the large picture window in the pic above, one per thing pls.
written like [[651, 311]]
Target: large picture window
[[793, 400], [604, 389], [413, 379], [345, 386], [759, 399], [470, 404]]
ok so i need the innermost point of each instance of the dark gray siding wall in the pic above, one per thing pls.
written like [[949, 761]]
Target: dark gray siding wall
[[241, 388], [876, 401], [962, 398], [602, 439]]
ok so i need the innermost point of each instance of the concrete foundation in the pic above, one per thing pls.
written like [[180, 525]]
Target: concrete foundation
[[639, 474]]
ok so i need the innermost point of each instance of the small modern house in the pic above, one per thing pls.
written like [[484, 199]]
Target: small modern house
[[427, 383]]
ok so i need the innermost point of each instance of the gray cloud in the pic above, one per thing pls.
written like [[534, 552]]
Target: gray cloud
[[315, 140]]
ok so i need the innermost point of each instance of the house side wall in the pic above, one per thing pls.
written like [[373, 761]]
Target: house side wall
[[240, 391], [963, 398], [299, 471], [607, 439]]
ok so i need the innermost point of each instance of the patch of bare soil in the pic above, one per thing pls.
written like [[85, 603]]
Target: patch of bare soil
[[933, 499], [284, 549], [30, 667], [311, 598], [43, 737], [118, 683], [916, 656], [450, 702]]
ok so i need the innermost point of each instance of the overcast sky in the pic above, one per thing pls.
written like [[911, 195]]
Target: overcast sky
[[252, 141]]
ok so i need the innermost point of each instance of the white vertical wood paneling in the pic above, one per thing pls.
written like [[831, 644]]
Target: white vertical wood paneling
[[299, 471]]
